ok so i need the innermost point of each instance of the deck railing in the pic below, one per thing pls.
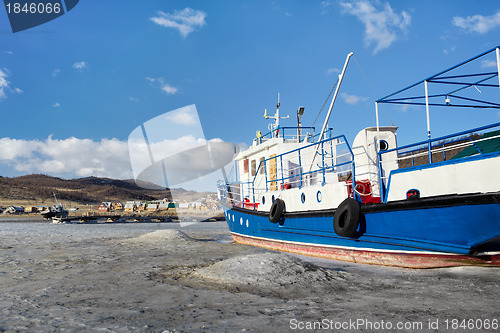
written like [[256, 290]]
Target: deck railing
[[298, 134], [317, 163], [476, 141], [305, 133]]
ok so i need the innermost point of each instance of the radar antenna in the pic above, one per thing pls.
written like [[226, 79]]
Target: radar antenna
[[276, 117]]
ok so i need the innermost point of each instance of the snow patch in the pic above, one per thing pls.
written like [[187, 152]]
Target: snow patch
[[267, 270], [160, 235]]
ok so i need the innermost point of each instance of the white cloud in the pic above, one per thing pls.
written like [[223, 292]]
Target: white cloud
[[185, 21], [70, 157], [331, 71], [74, 157], [12, 148], [488, 64], [56, 105], [184, 116], [168, 89], [407, 107], [477, 23], [182, 160], [165, 87], [133, 99], [80, 65], [352, 99], [382, 26], [451, 49], [56, 72], [139, 151], [325, 6], [5, 85]]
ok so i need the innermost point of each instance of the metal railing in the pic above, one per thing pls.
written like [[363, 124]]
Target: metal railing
[[438, 150], [298, 134], [333, 158], [290, 133]]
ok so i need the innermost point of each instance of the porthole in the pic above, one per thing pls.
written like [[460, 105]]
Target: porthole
[[319, 196], [263, 200], [303, 198], [384, 145], [228, 216], [241, 220], [247, 223], [233, 217]]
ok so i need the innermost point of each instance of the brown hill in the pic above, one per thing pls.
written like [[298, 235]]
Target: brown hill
[[90, 190]]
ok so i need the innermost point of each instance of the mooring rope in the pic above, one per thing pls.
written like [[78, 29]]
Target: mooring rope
[[371, 88], [321, 110]]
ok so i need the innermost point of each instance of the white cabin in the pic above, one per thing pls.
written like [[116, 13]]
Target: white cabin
[[307, 175]]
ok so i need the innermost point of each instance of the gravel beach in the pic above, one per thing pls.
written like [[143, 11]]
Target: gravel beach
[[173, 277]]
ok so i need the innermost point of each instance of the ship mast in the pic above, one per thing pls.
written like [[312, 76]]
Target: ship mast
[[276, 117], [341, 77]]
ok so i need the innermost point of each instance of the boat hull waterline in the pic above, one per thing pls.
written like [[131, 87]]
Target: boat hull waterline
[[459, 236]]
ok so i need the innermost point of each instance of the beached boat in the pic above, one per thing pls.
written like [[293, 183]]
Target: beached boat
[[56, 212], [433, 203]]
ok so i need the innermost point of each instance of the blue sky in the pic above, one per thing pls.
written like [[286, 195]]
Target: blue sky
[[73, 89]]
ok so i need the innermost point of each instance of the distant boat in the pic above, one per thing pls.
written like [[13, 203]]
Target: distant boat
[[57, 211], [434, 203]]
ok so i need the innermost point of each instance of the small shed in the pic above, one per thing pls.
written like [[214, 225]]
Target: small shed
[[105, 207], [131, 206], [118, 206], [14, 210], [184, 205], [140, 206], [31, 209], [163, 205], [152, 206]]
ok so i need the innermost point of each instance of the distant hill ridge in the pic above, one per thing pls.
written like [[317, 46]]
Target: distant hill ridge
[[88, 190]]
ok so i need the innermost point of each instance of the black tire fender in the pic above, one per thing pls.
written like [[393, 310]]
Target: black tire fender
[[346, 218], [276, 211]]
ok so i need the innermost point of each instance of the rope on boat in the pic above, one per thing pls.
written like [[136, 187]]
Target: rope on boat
[[321, 110], [373, 91], [331, 91]]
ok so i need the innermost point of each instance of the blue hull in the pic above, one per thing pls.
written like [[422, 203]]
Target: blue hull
[[451, 226]]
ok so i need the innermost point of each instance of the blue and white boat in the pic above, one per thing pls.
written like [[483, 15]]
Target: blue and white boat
[[434, 203]]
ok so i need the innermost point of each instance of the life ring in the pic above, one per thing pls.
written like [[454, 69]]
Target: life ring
[[276, 212], [346, 218]]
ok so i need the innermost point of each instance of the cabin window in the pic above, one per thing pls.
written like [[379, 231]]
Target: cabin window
[[384, 145], [245, 165], [262, 165], [254, 167]]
